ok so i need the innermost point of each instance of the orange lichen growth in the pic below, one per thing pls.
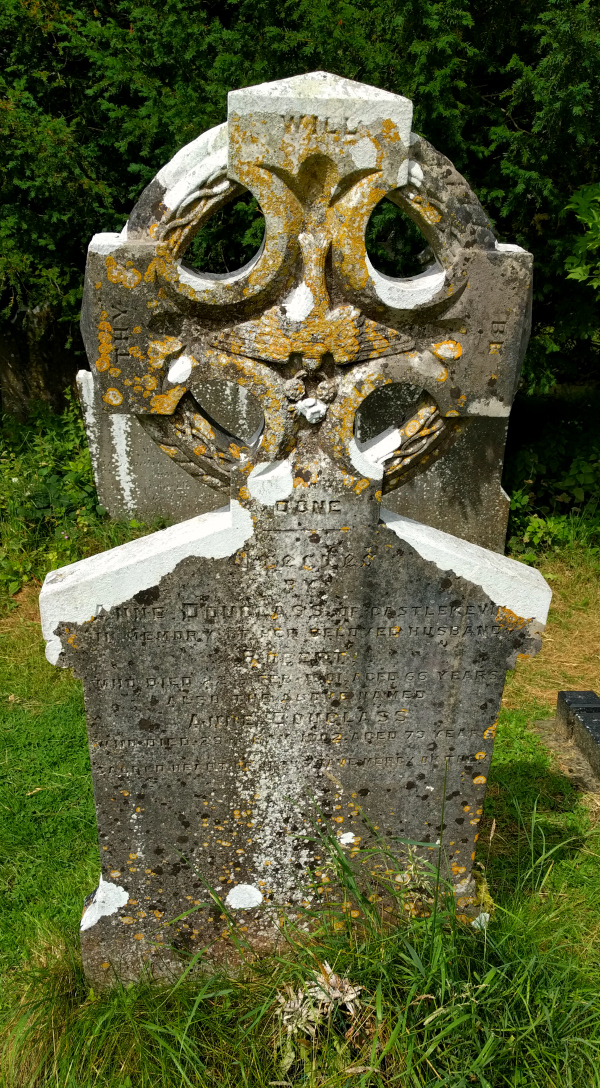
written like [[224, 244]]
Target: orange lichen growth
[[510, 620], [447, 349], [105, 342], [165, 403], [427, 210], [203, 426], [113, 397], [127, 276], [160, 350]]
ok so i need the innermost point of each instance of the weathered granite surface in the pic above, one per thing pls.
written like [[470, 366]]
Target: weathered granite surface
[[423, 368], [315, 656]]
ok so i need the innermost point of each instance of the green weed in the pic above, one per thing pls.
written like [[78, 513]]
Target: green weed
[[49, 511]]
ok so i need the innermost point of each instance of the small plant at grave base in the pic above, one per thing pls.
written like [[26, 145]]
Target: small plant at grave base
[[312, 1007]]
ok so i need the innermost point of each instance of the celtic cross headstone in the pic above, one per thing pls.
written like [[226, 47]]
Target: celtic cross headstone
[[302, 645]]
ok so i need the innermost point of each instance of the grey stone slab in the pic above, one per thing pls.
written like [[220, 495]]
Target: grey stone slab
[[569, 757], [303, 653], [578, 719]]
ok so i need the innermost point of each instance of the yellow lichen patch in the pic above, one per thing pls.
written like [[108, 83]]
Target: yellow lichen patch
[[428, 211], [105, 342], [480, 755], [361, 485], [442, 375], [114, 371], [127, 921], [479, 780], [447, 349], [510, 620], [164, 404], [451, 412], [98, 285], [202, 426], [159, 350], [136, 329], [490, 732], [199, 450], [113, 397], [127, 276], [172, 451], [149, 381], [136, 352], [495, 349], [243, 494]]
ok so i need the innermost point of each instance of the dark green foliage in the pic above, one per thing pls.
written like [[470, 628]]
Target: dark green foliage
[[394, 244], [552, 469], [96, 97], [584, 264], [230, 239], [49, 512]]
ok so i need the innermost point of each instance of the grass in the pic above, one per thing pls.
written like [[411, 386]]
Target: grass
[[440, 1003]]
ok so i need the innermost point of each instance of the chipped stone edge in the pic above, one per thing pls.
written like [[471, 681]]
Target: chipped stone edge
[[270, 481], [107, 899], [77, 593], [509, 584]]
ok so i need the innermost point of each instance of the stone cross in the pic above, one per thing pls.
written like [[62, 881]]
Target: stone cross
[[303, 659], [413, 379]]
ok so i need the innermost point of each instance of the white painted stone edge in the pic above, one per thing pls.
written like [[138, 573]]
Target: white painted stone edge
[[77, 593], [509, 584]]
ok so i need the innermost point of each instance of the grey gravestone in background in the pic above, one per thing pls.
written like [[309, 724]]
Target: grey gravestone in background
[[133, 476], [303, 645], [439, 353]]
